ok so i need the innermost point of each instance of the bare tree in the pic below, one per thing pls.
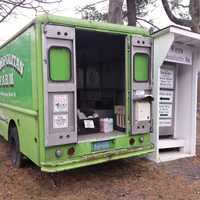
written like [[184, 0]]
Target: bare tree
[[193, 18], [131, 12], [8, 7], [195, 14], [115, 11], [135, 9], [120, 11]]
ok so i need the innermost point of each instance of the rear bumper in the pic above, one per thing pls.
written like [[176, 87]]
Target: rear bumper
[[96, 158]]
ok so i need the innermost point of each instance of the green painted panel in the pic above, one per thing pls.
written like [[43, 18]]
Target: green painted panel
[[60, 64], [86, 148], [16, 72], [27, 127], [18, 90], [141, 67]]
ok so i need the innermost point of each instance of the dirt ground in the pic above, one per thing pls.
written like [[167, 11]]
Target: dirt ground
[[134, 178]]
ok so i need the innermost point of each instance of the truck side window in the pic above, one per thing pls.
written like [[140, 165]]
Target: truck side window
[[141, 67], [60, 63]]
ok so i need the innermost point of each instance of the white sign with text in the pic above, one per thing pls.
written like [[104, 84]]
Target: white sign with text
[[166, 96], [166, 78], [165, 110], [180, 54]]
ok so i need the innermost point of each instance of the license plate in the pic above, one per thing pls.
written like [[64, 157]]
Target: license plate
[[99, 146]]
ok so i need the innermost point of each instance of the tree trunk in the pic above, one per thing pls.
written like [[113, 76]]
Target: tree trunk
[[173, 18], [131, 12], [194, 7], [195, 14], [115, 11]]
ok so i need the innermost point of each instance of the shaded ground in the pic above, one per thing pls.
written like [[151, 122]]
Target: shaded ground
[[137, 179]]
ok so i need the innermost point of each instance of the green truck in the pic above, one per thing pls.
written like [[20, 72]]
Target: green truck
[[62, 80]]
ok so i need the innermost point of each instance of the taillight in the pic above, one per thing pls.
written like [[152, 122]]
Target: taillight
[[132, 141], [71, 151]]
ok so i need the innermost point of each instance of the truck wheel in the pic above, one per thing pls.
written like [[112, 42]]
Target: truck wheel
[[15, 154]]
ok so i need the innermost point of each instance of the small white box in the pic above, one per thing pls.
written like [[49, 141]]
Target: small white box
[[142, 111], [120, 115], [106, 125]]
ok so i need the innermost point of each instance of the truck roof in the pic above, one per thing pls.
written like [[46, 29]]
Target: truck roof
[[81, 23]]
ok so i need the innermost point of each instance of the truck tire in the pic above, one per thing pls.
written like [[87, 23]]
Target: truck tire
[[15, 154]]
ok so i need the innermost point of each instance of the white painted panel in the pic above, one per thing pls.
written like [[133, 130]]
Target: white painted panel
[[171, 143], [165, 122], [184, 105]]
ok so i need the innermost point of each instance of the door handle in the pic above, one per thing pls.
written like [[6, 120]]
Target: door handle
[[143, 98]]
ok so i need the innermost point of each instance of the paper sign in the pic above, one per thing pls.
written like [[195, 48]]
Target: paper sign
[[142, 111], [165, 110], [60, 103], [166, 96], [89, 123], [60, 121], [180, 54], [166, 78], [165, 122]]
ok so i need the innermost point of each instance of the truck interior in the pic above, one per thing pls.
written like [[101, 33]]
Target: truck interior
[[100, 61]]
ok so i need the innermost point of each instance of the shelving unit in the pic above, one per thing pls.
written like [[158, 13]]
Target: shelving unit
[[179, 48]]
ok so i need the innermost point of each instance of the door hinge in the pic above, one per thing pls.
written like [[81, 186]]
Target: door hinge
[[128, 44], [129, 92]]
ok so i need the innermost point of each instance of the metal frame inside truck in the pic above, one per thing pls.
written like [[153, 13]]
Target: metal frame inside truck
[[38, 96]]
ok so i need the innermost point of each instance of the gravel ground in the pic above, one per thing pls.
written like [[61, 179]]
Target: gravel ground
[[135, 178]]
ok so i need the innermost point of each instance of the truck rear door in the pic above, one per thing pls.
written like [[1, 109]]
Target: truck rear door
[[141, 85], [60, 85]]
